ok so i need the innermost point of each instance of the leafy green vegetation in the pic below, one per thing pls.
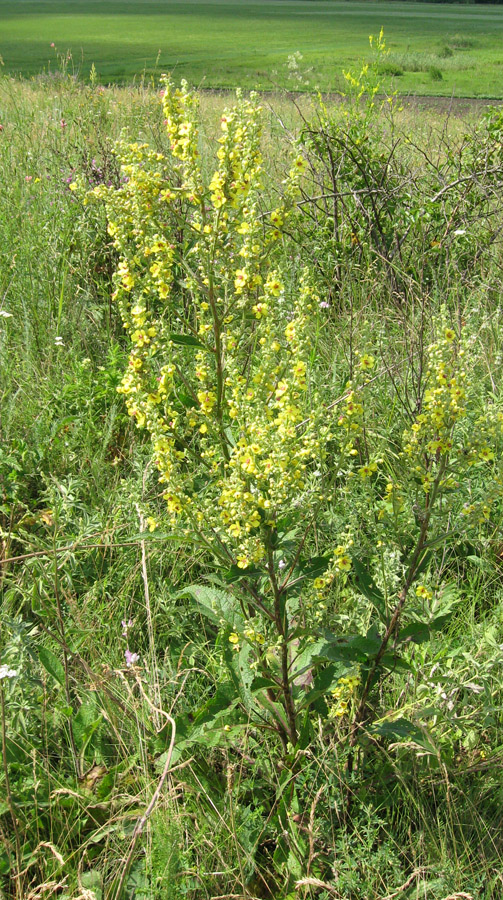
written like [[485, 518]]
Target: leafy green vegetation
[[250, 495], [223, 44]]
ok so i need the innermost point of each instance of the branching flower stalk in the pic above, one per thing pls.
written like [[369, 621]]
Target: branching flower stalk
[[439, 455], [221, 375], [220, 379]]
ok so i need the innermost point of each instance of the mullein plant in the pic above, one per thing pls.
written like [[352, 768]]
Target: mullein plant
[[219, 368], [222, 375]]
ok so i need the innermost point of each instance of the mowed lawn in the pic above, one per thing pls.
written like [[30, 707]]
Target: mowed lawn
[[434, 49]]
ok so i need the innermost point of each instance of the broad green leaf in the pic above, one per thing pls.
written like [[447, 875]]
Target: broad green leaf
[[220, 702], [306, 660], [418, 632], [365, 583], [215, 605], [240, 672], [85, 723], [313, 568], [399, 728], [187, 340], [52, 664], [236, 574]]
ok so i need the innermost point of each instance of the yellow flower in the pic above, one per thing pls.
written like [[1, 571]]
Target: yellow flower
[[299, 164], [366, 362], [142, 337], [261, 309], [240, 279], [299, 369], [344, 563], [368, 470], [273, 284]]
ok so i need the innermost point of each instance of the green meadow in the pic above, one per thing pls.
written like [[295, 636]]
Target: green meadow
[[434, 49]]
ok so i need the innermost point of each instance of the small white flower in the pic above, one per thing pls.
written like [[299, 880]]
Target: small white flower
[[460, 231], [5, 315], [5, 672], [58, 341], [281, 564]]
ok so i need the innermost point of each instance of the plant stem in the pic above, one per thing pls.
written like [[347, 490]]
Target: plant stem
[[281, 622], [10, 802], [361, 711]]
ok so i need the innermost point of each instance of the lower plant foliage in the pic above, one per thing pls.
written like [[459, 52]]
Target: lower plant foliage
[[251, 626]]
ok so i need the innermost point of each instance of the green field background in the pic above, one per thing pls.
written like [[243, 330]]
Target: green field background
[[434, 49]]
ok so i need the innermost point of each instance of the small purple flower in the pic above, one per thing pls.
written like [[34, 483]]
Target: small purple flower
[[131, 658], [324, 304], [125, 626]]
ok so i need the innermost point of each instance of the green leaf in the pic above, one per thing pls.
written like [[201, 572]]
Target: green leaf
[[423, 565], [322, 684], [85, 723], [225, 695], [260, 683], [364, 582], [358, 648], [439, 621], [236, 574], [215, 605], [52, 664], [399, 728], [245, 674], [186, 340], [314, 567], [394, 662], [418, 632], [305, 660]]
